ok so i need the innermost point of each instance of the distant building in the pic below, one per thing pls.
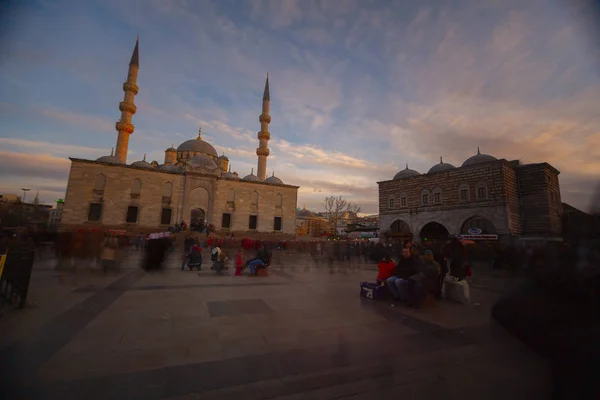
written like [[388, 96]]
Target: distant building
[[311, 224], [484, 199], [56, 215], [9, 198]]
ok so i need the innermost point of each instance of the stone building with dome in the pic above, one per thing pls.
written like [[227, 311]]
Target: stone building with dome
[[483, 199], [193, 184]]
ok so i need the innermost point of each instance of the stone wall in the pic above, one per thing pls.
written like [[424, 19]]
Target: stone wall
[[513, 204], [266, 209], [540, 199], [190, 191], [116, 196]]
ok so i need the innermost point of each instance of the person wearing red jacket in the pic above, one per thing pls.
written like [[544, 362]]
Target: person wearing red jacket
[[386, 269]]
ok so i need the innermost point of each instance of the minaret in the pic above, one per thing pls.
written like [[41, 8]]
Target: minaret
[[124, 126], [263, 136]]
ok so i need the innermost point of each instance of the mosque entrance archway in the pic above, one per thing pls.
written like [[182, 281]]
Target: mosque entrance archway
[[434, 233], [199, 203]]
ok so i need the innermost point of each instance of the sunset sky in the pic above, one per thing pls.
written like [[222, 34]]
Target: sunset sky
[[358, 88]]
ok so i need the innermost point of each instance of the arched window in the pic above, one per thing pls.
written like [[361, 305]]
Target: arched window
[[437, 195], [426, 197], [254, 198], [463, 193], [278, 201], [168, 189], [481, 191], [391, 201], [100, 182], [231, 195], [136, 187]]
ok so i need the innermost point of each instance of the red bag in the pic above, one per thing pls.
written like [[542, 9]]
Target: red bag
[[468, 271]]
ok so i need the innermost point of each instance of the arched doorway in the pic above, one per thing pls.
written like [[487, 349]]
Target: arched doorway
[[399, 231], [434, 233], [199, 214], [197, 220], [479, 226]]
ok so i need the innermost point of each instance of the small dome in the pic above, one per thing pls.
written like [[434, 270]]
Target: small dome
[[171, 168], [406, 173], [304, 213], [112, 159], [223, 157], [202, 161], [251, 177], [274, 180], [442, 166], [142, 164], [229, 174], [198, 145], [478, 159], [171, 150]]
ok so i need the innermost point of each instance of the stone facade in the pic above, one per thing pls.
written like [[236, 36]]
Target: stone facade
[[505, 198], [152, 191]]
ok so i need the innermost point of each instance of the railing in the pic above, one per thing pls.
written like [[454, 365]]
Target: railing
[[14, 282]]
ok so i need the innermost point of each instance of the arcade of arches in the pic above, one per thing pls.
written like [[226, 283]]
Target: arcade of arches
[[434, 232], [486, 226]]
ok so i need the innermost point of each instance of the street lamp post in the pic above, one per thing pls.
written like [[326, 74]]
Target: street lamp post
[[24, 193]]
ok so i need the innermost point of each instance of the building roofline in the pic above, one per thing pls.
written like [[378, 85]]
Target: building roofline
[[82, 160]]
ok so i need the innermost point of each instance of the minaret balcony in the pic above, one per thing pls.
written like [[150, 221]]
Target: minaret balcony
[[262, 151], [124, 127], [264, 118], [128, 107], [131, 87], [264, 135]]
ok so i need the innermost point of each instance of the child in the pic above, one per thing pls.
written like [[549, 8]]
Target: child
[[239, 262], [386, 269]]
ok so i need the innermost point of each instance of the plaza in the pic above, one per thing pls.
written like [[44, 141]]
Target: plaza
[[303, 332]]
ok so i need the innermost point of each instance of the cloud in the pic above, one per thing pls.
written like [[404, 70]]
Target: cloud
[[91, 122], [52, 148]]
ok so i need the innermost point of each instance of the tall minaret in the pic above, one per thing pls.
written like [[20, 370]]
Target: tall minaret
[[263, 136], [124, 126]]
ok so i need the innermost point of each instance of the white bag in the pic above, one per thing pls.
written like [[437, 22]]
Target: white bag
[[456, 290]]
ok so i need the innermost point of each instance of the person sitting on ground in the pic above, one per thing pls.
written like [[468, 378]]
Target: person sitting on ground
[[386, 270], [424, 281], [262, 260], [404, 270]]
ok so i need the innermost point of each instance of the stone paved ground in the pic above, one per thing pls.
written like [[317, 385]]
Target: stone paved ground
[[301, 333]]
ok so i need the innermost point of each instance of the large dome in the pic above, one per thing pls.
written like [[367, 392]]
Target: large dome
[[478, 159], [202, 161], [406, 173], [198, 146], [442, 166]]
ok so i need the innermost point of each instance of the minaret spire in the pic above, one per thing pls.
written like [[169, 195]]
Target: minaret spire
[[127, 107], [263, 136]]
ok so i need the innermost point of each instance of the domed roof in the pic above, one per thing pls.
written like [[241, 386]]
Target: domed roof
[[170, 149], [112, 159], [142, 164], [442, 166], [406, 173], [202, 161], [223, 157], [304, 213], [171, 168], [229, 174], [251, 177], [478, 159], [274, 180], [198, 145]]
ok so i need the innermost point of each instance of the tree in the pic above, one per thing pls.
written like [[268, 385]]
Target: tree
[[336, 207]]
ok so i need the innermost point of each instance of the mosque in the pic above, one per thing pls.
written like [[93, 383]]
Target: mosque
[[193, 184], [486, 199]]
